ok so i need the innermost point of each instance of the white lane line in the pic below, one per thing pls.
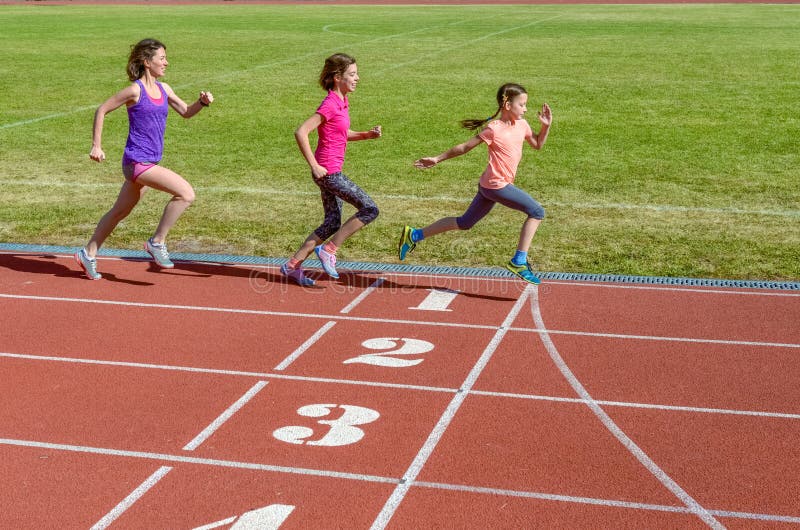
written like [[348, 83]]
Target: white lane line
[[706, 290], [306, 345], [225, 416], [183, 459], [145, 486], [662, 338], [366, 478], [612, 427], [653, 406], [436, 434], [605, 502], [386, 320], [128, 501], [360, 298], [244, 311], [266, 375]]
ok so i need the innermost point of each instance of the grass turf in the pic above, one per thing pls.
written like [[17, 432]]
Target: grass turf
[[673, 150]]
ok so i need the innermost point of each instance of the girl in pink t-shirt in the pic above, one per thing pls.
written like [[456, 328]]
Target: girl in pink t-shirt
[[504, 137], [332, 121]]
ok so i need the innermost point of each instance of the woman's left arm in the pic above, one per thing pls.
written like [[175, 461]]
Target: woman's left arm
[[180, 106]]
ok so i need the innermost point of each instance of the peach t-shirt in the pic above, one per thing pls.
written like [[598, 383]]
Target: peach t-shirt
[[505, 151]]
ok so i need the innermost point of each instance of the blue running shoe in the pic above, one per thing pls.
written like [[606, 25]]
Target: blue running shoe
[[328, 261], [524, 272], [406, 244]]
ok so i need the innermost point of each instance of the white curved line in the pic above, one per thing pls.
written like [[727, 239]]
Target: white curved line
[[612, 427]]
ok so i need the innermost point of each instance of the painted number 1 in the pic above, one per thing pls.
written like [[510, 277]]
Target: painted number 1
[[437, 300], [267, 518]]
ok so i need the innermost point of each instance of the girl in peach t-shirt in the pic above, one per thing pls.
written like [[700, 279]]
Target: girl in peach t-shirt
[[504, 137]]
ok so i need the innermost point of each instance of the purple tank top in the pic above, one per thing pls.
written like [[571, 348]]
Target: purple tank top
[[147, 122]]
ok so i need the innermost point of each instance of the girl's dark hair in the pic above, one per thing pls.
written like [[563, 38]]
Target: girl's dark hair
[[336, 64], [505, 93], [142, 51]]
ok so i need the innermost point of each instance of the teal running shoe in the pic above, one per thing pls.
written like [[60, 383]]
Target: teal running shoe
[[406, 245], [524, 272], [159, 253]]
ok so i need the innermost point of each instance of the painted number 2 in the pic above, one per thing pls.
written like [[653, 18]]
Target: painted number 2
[[341, 431], [394, 348]]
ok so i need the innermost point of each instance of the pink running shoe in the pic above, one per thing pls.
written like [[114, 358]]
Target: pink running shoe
[[297, 275], [328, 261]]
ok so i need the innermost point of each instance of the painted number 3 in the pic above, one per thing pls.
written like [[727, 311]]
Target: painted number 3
[[341, 431], [394, 347]]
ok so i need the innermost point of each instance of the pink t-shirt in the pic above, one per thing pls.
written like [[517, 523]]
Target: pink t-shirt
[[505, 151], [332, 132]]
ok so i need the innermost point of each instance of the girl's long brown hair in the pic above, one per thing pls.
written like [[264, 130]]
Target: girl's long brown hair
[[505, 93]]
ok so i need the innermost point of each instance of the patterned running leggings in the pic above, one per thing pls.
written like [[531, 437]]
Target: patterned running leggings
[[336, 189]]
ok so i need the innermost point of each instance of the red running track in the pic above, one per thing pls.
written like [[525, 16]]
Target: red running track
[[219, 396]]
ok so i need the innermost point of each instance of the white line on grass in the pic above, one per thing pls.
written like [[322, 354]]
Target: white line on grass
[[315, 55], [462, 45], [274, 192], [436, 434], [612, 427], [225, 416], [134, 496]]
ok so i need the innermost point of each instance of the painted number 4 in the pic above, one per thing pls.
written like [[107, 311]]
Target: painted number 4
[[341, 431], [393, 347]]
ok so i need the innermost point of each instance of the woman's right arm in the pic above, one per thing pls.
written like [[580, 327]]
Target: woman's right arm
[[301, 136], [127, 94]]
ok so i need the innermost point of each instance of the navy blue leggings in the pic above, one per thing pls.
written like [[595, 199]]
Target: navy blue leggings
[[510, 196], [335, 189]]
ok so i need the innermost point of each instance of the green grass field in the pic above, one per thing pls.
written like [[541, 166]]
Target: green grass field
[[674, 149]]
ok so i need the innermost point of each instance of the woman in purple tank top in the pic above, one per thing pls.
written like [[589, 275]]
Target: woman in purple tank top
[[148, 103]]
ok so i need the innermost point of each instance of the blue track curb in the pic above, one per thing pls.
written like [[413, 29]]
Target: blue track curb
[[422, 269]]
